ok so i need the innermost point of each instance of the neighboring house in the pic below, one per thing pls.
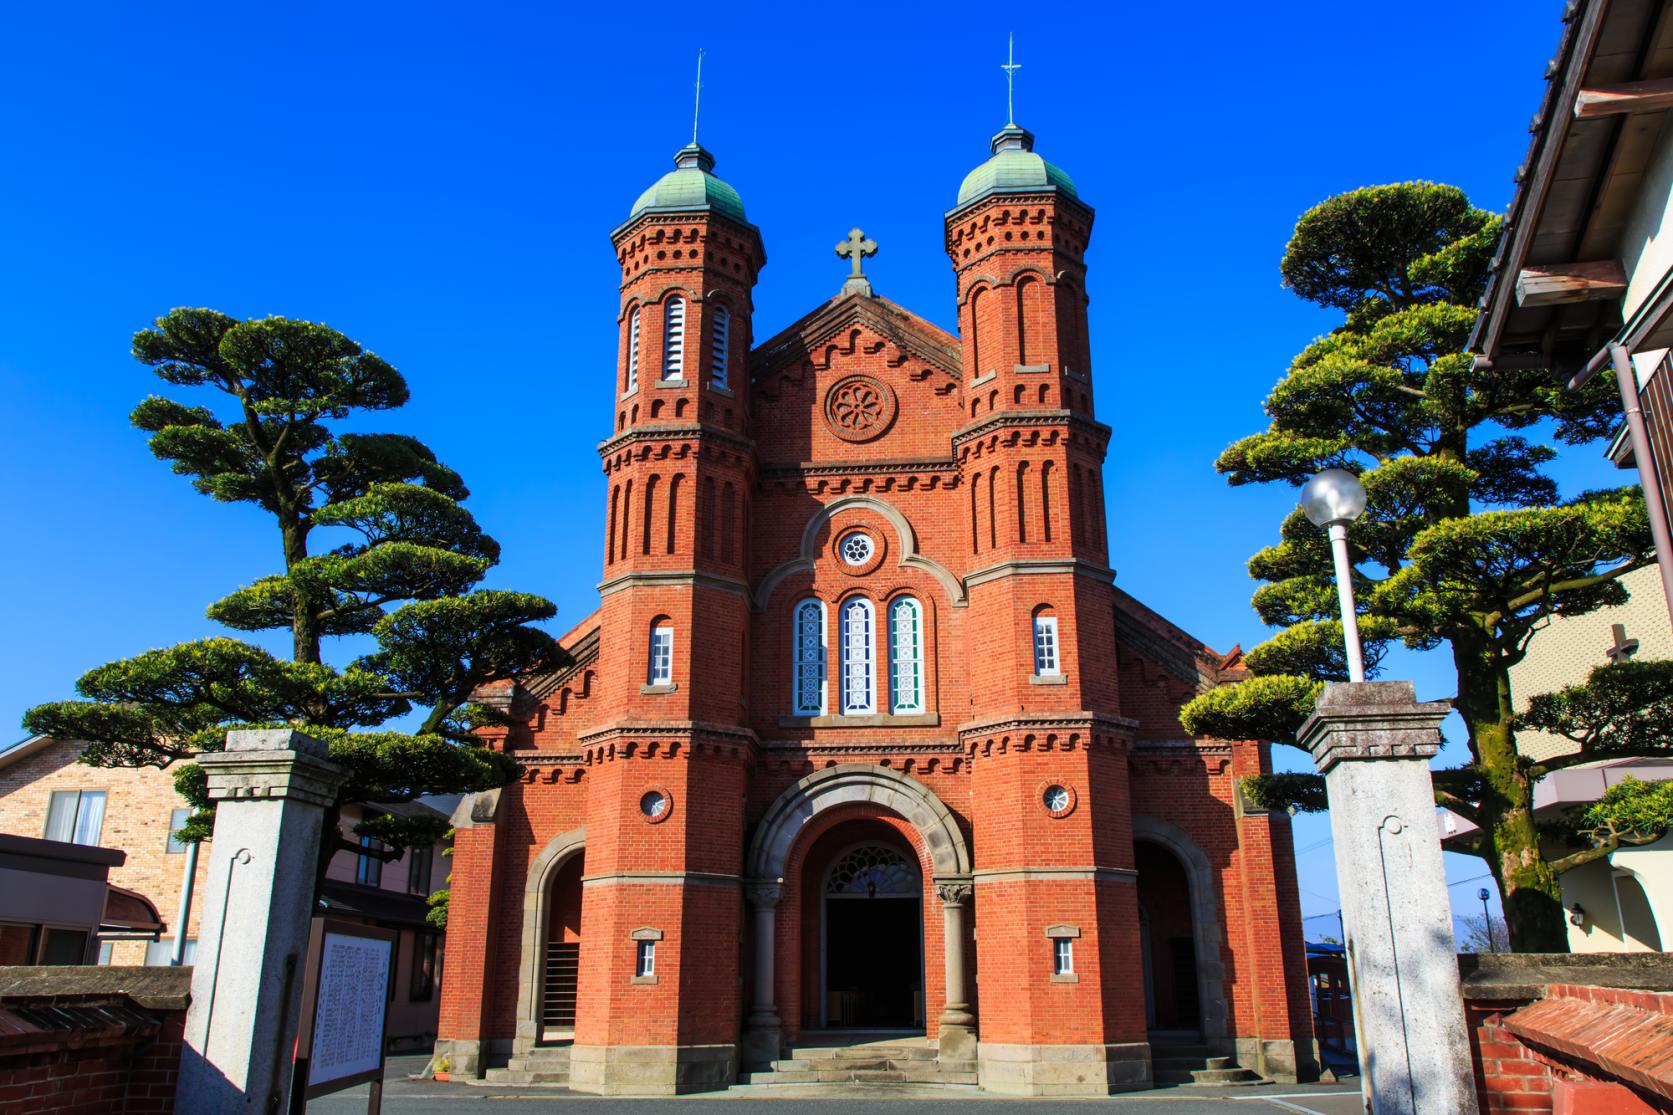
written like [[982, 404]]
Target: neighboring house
[[1583, 274], [127, 817], [1626, 899], [58, 906]]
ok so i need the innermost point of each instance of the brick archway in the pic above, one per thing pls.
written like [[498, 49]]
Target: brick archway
[[531, 972], [1205, 917]]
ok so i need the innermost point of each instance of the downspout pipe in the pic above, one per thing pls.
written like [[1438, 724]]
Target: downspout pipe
[[188, 876], [1626, 378]]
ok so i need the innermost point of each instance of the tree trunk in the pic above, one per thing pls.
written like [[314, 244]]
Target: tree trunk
[[1533, 898], [305, 636]]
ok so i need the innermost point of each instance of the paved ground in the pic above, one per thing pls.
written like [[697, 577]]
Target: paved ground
[[404, 1097]]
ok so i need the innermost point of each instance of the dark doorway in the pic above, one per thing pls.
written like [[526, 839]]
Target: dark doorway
[[561, 961], [1172, 1001], [872, 963]]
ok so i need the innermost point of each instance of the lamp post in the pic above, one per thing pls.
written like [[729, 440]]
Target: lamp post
[[1487, 918], [1333, 499]]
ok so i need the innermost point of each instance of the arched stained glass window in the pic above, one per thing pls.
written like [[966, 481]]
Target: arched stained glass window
[[808, 623], [720, 346], [873, 871], [859, 657], [906, 656]]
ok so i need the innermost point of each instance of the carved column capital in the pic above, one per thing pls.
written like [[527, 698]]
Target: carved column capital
[[762, 893], [955, 891]]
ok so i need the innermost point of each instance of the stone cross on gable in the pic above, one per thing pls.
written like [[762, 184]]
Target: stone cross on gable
[[1623, 648], [855, 249]]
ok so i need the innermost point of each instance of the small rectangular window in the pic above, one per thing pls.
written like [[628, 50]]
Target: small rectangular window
[[1045, 646], [177, 819], [1062, 957], [76, 816], [368, 870], [422, 980], [644, 963], [419, 861], [662, 656]]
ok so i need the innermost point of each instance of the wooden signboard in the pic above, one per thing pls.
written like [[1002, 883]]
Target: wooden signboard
[[345, 1003]]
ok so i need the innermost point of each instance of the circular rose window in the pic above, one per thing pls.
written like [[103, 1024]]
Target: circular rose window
[[859, 408], [1058, 799], [856, 548], [654, 805]]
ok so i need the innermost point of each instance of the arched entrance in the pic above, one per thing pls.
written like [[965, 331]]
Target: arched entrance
[[551, 944], [1180, 932], [869, 905]]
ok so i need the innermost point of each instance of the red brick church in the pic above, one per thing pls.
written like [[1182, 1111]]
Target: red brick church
[[862, 741]]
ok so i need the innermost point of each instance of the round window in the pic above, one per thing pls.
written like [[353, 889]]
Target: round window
[[857, 548], [1058, 800], [654, 805]]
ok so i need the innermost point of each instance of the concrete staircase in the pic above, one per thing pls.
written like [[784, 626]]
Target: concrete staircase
[[1193, 1066], [826, 1058], [543, 1065]]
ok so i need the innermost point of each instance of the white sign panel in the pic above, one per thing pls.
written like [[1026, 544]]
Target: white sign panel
[[349, 1015]]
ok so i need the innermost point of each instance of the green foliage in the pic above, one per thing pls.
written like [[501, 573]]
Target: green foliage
[[1464, 541], [401, 561], [1294, 793], [1623, 708], [1631, 811], [436, 915]]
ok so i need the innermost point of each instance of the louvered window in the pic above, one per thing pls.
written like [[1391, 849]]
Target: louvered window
[[633, 351], [720, 344], [673, 339]]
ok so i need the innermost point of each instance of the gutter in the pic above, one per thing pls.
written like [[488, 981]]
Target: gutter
[[1655, 505]]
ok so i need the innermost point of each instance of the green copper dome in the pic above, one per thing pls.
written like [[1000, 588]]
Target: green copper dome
[[1014, 168], [690, 185]]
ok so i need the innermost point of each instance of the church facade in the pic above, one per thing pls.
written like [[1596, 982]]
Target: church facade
[[863, 739]]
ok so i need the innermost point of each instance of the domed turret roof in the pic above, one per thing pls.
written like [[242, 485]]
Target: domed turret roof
[[1014, 168], [690, 185]]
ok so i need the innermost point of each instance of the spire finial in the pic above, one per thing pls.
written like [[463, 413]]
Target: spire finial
[[1010, 67], [697, 101]]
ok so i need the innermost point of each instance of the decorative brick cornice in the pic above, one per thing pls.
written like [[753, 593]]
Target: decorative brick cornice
[[672, 578], [1048, 732], [672, 740], [1026, 567], [810, 469], [671, 432], [1016, 419]]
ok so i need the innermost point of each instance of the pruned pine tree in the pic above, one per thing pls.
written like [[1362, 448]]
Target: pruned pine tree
[[1465, 548], [375, 541]]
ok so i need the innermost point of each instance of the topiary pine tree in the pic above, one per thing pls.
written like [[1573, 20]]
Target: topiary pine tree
[[403, 572], [1464, 544]]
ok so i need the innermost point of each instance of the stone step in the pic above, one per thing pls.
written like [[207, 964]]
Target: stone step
[[495, 1078], [1225, 1078], [1221, 1063], [863, 1052]]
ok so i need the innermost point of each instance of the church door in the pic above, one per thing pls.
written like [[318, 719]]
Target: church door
[[873, 941], [561, 962]]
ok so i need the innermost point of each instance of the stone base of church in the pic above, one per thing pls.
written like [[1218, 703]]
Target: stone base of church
[[469, 1059], [652, 1070], [1063, 1070], [1276, 1060]]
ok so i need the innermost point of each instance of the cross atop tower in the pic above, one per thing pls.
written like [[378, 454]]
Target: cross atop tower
[[1010, 67], [855, 249], [1623, 648]]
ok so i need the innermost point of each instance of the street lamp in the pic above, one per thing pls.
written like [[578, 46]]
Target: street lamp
[[1333, 499], [1487, 918]]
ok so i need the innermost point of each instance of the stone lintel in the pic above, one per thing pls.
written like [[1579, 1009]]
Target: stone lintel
[[1372, 720], [248, 771]]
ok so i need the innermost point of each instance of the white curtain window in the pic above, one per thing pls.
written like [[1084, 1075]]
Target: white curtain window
[[1045, 646], [720, 346], [76, 816], [809, 636], [662, 655], [859, 657], [673, 338], [633, 350], [906, 656]]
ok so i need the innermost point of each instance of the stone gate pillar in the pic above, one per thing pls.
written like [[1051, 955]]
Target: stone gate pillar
[[1373, 742], [272, 787]]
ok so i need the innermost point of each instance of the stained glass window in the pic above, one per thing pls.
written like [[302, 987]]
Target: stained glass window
[[859, 657], [872, 870], [906, 656], [809, 635]]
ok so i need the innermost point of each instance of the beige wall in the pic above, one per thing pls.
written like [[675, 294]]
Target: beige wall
[[1567, 650], [1647, 239]]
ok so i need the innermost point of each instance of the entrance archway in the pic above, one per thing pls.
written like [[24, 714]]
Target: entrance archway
[[551, 943], [1176, 885], [871, 934]]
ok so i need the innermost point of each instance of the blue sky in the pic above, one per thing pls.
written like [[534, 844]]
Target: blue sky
[[439, 182]]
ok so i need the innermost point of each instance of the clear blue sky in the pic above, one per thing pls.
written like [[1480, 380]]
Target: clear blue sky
[[439, 181]]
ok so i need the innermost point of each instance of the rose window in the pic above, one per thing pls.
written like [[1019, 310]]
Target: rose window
[[653, 805], [857, 548], [859, 408], [1056, 798]]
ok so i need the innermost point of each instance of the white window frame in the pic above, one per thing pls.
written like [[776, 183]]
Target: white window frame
[[1048, 653], [720, 345], [177, 819], [808, 660], [84, 821], [644, 959], [1062, 956], [906, 657], [859, 657], [661, 671], [632, 351], [673, 340]]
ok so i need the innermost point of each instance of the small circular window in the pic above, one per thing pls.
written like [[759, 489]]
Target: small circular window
[[1058, 800], [654, 805], [857, 548]]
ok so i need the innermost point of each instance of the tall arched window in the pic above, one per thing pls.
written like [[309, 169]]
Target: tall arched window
[[661, 671], [720, 345], [627, 514], [976, 513], [1047, 659], [906, 656], [977, 296], [650, 514], [673, 509], [1022, 501], [859, 657], [632, 352], [610, 537], [1045, 501], [673, 338], [728, 522], [808, 637]]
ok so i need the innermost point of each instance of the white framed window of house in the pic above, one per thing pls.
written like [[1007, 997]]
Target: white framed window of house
[[859, 657], [1047, 661], [906, 656], [75, 816], [720, 345], [661, 670], [673, 339], [177, 819], [808, 637], [632, 351]]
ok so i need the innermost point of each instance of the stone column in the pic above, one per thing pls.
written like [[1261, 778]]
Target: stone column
[[764, 1031], [958, 1024], [1373, 741], [272, 787]]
